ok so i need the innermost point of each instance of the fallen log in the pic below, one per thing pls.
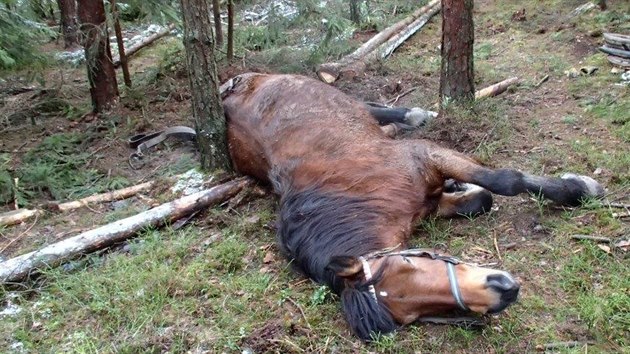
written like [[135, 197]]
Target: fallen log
[[620, 40], [18, 216], [616, 52], [624, 63], [101, 198], [145, 42], [14, 269], [496, 89], [330, 72]]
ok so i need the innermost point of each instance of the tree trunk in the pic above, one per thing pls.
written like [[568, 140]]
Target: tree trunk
[[68, 9], [456, 76], [602, 5], [204, 85], [230, 31], [98, 55], [216, 11], [355, 12], [121, 45]]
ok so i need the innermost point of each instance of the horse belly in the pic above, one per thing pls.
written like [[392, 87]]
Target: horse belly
[[247, 154]]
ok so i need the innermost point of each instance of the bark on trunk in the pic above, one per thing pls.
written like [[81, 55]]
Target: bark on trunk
[[216, 11], [355, 12], [456, 76], [68, 9], [121, 45], [98, 55], [204, 85], [19, 267], [230, 31]]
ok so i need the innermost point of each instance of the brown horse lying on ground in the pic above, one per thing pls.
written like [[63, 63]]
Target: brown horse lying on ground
[[349, 196]]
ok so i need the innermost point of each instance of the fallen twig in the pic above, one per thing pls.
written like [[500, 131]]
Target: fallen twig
[[591, 238], [556, 345], [496, 247], [301, 311], [394, 100], [617, 205], [542, 81]]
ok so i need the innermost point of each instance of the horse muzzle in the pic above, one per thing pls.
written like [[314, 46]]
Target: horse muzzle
[[506, 287]]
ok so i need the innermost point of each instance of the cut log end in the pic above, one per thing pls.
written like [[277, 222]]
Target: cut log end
[[326, 76]]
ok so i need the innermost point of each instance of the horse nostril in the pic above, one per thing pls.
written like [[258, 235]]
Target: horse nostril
[[502, 283]]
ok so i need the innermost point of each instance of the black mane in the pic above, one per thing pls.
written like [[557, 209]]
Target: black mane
[[313, 226]]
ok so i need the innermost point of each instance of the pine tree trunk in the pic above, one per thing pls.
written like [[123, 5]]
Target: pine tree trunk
[[216, 11], [456, 76], [204, 85], [355, 13], [121, 45], [68, 9], [98, 55], [230, 31]]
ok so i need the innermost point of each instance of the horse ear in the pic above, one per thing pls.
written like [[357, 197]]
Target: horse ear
[[345, 266]]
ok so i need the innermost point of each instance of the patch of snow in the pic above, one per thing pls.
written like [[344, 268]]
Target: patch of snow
[[18, 347], [74, 57], [10, 309], [259, 14], [77, 56], [188, 183]]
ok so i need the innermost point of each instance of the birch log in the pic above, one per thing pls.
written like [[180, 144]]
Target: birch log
[[19, 267], [102, 198], [18, 216]]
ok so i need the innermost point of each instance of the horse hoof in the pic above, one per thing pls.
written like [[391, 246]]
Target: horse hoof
[[591, 187], [417, 117]]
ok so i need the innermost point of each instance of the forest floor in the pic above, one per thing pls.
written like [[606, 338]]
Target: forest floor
[[219, 284]]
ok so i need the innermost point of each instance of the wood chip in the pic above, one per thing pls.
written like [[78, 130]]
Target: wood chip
[[604, 248], [269, 257]]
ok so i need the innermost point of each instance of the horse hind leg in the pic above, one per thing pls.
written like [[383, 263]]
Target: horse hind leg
[[463, 199], [569, 189]]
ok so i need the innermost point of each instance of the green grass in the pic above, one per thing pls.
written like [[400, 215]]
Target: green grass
[[55, 169]]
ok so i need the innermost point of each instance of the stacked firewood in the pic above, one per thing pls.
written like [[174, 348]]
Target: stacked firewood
[[617, 46]]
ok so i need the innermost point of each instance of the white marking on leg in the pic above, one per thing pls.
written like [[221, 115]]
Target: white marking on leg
[[594, 189]]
